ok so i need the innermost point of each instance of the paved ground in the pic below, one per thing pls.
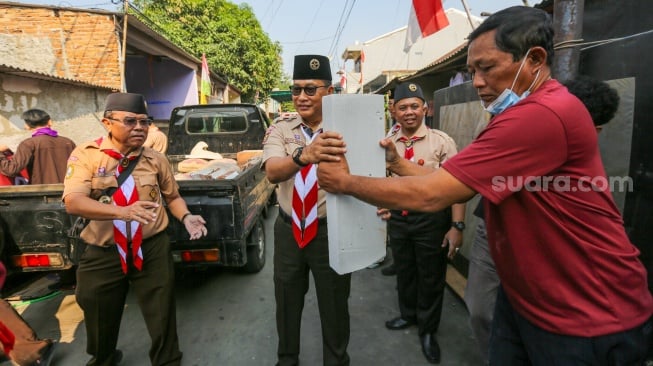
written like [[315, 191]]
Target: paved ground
[[227, 318]]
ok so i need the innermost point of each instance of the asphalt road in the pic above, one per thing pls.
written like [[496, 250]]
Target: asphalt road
[[227, 318]]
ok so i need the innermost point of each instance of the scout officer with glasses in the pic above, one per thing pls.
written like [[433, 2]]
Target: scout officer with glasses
[[121, 188], [292, 147]]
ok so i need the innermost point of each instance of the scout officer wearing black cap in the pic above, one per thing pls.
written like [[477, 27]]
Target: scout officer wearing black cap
[[291, 150], [121, 188], [421, 242]]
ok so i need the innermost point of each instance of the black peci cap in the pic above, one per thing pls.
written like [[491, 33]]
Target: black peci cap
[[408, 90], [311, 67], [126, 102]]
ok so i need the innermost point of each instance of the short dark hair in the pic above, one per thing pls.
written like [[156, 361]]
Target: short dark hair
[[599, 98], [35, 118], [519, 28]]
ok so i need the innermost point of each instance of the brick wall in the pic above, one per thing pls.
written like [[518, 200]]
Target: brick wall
[[70, 44]]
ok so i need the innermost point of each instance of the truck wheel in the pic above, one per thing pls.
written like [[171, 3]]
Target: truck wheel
[[255, 248]]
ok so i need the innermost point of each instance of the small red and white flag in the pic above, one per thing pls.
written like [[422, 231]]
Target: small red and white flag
[[426, 17], [205, 82], [343, 82], [361, 69]]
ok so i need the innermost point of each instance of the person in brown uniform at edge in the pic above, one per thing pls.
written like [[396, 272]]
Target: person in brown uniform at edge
[[44, 154], [127, 243], [421, 242], [156, 139], [291, 150]]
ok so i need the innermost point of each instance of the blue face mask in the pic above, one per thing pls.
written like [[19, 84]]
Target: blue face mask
[[509, 98]]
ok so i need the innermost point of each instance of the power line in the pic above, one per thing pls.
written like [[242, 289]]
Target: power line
[[310, 27], [338, 27], [274, 14], [317, 11], [267, 10], [341, 27], [311, 41]]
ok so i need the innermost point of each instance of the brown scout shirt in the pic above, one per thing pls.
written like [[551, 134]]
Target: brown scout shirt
[[434, 149], [90, 170], [281, 139]]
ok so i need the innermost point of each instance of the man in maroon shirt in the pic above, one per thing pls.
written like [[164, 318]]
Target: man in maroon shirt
[[44, 155], [573, 289]]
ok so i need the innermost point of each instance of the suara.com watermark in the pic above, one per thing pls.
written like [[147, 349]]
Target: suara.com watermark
[[562, 183]]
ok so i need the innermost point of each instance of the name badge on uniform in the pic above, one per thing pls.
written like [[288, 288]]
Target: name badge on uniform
[[104, 199]]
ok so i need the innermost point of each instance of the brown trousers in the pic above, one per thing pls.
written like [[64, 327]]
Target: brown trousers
[[28, 347]]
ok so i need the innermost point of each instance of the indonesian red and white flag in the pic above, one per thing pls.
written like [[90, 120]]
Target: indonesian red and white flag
[[205, 82], [343, 82], [426, 17]]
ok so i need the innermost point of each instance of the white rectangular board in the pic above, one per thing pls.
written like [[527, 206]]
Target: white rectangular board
[[356, 234]]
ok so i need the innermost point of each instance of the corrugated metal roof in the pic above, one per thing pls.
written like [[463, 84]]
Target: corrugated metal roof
[[18, 71], [56, 7]]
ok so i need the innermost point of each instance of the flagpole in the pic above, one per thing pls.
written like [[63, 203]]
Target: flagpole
[[123, 60], [469, 15], [362, 60]]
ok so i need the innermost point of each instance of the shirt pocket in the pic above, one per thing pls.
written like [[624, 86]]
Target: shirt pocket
[[148, 188]]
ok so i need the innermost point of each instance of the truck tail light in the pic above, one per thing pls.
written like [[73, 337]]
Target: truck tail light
[[205, 255], [38, 260]]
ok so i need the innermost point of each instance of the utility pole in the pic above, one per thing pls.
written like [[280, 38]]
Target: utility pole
[[123, 57], [568, 26]]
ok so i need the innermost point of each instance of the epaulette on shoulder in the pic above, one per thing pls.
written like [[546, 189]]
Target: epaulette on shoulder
[[92, 144], [287, 117], [393, 130], [441, 134]]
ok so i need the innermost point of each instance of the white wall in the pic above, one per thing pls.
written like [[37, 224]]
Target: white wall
[[386, 52]]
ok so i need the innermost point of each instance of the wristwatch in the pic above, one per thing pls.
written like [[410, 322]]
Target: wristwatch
[[459, 225], [295, 156]]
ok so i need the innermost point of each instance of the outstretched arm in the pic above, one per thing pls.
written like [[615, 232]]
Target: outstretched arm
[[432, 192]]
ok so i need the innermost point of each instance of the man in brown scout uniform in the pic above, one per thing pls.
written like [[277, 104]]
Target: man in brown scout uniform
[[291, 150], [420, 241], [121, 187]]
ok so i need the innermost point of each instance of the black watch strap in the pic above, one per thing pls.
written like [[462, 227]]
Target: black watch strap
[[295, 156], [459, 225]]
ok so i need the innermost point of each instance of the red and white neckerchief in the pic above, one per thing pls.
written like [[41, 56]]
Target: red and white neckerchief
[[409, 154], [125, 232], [304, 200]]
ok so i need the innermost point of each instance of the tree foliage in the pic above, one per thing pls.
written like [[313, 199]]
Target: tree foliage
[[230, 35]]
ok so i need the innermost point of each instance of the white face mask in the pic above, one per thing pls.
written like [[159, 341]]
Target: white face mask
[[509, 98]]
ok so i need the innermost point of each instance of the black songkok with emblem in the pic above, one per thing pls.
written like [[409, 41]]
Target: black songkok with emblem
[[311, 67], [408, 90], [126, 102]]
